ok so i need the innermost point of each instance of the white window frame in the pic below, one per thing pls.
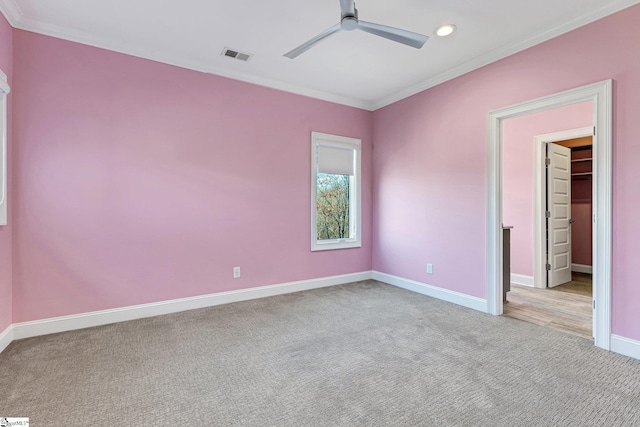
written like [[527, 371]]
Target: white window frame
[[355, 195], [4, 91]]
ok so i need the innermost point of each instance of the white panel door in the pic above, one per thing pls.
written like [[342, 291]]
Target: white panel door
[[559, 206]]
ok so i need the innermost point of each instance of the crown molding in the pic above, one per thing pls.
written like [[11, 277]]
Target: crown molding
[[11, 11], [39, 27], [16, 18], [505, 51]]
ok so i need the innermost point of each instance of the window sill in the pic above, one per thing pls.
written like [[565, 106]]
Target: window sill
[[328, 245]]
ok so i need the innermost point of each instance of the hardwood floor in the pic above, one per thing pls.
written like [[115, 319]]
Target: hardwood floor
[[580, 284], [566, 307]]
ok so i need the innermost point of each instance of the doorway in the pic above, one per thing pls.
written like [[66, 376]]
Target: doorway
[[550, 220], [600, 95], [560, 296]]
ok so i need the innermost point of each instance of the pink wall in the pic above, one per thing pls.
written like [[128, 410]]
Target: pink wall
[[136, 182], [6, 65], [519, 173], [139, 182], [430, 161]]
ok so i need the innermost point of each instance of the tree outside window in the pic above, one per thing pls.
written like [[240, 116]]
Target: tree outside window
[[332, 200]]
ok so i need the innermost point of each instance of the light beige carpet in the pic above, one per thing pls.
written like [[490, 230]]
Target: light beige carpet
[[358, 354]]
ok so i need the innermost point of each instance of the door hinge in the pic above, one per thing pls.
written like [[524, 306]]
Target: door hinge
[[548, 267], [594, 304], [547, 214], [547, 161], [594, 131]]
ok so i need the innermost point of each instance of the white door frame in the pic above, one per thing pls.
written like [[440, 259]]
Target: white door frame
[[601, 96], [4, 91], [539, 226]]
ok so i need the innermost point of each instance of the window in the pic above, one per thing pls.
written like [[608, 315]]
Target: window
[[335, 192], [4, 90]]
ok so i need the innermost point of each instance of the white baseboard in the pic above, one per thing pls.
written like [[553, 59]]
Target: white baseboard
[[579, 268], [625, 346], [522, 280], [622, 345], [433, 291], [6, 337], [104, 317]]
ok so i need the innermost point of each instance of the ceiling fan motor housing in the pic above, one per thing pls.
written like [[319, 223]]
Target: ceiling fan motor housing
[[349, 23]]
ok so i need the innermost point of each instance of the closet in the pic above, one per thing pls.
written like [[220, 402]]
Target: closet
[[581, 206]]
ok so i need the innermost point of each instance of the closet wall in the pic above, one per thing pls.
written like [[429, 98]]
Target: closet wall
[[581, 205]]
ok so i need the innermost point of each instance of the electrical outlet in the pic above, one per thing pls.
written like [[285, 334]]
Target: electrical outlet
[[429, 268], [236, 272]]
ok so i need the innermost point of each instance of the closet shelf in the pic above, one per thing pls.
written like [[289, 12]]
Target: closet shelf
[[588, 159], [581, 173]]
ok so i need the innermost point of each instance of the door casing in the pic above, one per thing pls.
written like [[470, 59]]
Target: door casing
[[601, 96]]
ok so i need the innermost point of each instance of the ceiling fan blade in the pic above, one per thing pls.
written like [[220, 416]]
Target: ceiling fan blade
[[348, 7], [397, 35], [311, 43]]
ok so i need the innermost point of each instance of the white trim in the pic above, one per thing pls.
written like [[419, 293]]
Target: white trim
[[6, 337], [104, 317], [355, 199], [505, 51], [11, 11], [600, 95], [129, 48], [4, 90], [16, 18], [539, 226], [432, 291], [625, 346], [522, 280], [581, 268], [4, 86]]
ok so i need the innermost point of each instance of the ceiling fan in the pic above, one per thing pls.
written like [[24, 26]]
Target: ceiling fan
[[350, 22]]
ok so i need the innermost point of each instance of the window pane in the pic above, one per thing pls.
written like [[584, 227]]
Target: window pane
[[332, 206]]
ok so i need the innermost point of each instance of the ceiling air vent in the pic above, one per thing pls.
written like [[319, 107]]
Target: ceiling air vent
[[235, 54]]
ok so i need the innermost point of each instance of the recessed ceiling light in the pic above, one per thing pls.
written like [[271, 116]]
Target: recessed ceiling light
[[445, 30]]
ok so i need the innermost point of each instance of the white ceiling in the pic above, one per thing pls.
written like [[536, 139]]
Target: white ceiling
[[352, 68]]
